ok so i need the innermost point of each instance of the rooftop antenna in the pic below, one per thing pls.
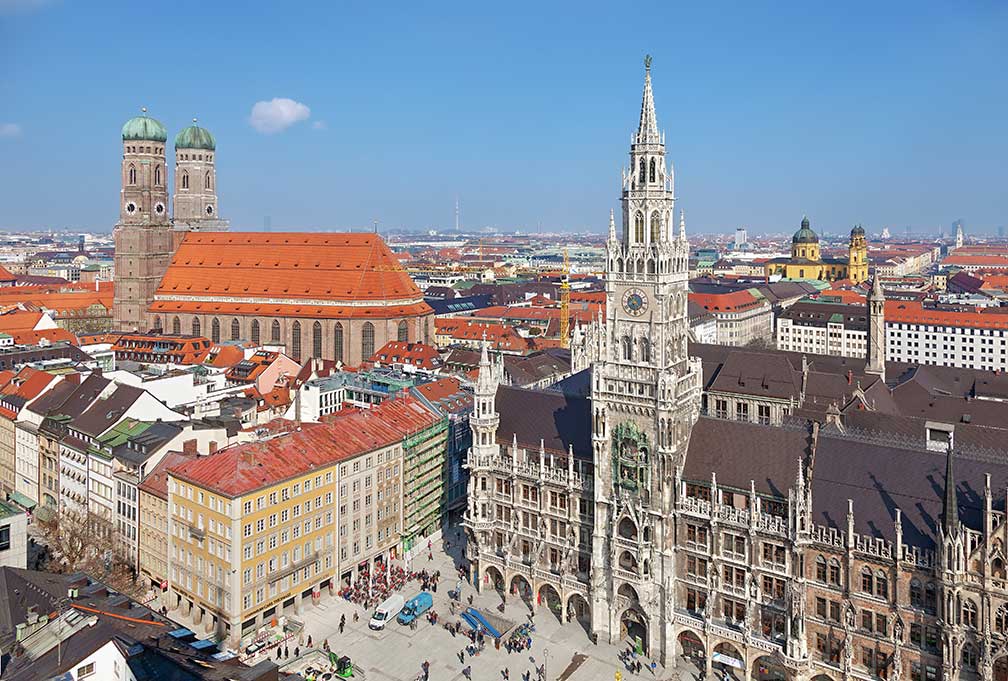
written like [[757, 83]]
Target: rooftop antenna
[[376, 226]]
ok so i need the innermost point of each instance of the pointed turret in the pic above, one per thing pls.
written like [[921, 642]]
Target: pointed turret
[[682, 225], [647, 131], [876, 330], [950, 506], [612, 225]]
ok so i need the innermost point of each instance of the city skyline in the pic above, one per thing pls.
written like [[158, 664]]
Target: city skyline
[[369, 122]]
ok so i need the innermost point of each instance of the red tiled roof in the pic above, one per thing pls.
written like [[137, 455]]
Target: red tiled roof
[[250, 266], [51, 335], [909, 312], [5, 274], [988, 260], [242, 469], [420, 355], [724, 302], [184, 349], [156, 482], [224, 356]]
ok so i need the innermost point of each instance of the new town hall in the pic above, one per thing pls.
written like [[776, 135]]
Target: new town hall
[[769, 515]]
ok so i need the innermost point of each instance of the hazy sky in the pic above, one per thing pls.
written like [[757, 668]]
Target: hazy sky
[[879, 113]]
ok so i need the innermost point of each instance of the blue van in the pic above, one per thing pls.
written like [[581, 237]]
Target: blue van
[[415, 607]]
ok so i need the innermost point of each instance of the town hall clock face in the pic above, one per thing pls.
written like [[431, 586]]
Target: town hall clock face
[[635, 302]]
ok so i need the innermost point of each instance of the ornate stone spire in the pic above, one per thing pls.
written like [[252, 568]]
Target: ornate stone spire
[[876, 289], [647, 132], [682, 225], [612, 225], [950, 506]]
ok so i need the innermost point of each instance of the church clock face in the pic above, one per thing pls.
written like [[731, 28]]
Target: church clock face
[[635, 302]]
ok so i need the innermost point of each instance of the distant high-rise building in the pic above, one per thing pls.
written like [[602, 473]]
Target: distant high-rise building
[[741, 239], [885, 232], [959, 233]]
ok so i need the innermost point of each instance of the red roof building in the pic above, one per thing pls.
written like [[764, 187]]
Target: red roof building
[[416, 355], [158, 349], [332, 295]]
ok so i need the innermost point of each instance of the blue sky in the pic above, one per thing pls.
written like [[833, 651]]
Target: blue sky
[[887, 114]]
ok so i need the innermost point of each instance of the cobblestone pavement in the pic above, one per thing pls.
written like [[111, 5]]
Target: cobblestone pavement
[[397, 652]]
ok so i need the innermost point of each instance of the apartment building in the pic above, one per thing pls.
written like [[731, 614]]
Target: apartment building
[[152, 519], [820, 328], [966, 338], [741, 317], [255, 529]]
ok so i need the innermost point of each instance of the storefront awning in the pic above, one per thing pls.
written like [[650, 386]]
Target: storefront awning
[[22, 500]]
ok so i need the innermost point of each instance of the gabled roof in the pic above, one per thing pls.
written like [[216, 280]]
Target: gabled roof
[[558, 420]]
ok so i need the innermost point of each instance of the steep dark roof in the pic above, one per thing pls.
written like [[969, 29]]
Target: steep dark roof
[[105, 413], [755, 373], [557, 419], [852, 317], [739, 452]]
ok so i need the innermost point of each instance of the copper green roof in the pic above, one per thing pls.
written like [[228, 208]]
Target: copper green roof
[[805, 235], [143, 127], [195, 137]]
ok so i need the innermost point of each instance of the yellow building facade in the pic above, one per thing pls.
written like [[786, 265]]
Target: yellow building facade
[[806, 261]]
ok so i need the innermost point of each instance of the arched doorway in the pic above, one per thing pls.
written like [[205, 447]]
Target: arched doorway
[[493, 577], [520, 587], [692, 650], [728, 662], [633, 629], [577, 609], [765, 668], [1001, 669], [550, 598]]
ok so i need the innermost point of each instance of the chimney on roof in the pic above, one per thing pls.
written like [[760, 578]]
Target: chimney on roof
[[213, 446], [189, 447], [850, 377]]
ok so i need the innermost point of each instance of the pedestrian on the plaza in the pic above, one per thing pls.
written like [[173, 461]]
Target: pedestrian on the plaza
[[286, 652], [639, 665], [429, 545], [470, 599], [467, 672], [325, 644], [309, 641], [430, 556], [297, 652], [461, 656], [279, 650], [342, 623], [355, 616], [506, 674]]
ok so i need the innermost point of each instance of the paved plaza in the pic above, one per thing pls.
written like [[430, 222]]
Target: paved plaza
[[397, 652]]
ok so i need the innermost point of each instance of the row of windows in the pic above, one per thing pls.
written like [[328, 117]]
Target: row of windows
[[367, 335]]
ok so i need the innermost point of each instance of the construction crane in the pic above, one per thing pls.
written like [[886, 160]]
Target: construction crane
[[565, 303]]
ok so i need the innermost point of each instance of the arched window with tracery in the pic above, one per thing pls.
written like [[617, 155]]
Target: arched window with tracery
[[367, 340], [969, 656], [157, 176], [132, 174], [207, 181], [643, 172], [969, 614], [867, 582], [338, 342], [157, 322], [235, 329], [402, 332], [1001, 619], [316, 339], [255, 332], [652, 174], [834, 572], [627, 348], [820, 569], [881, 585], [195, 326], [639, 227], [296, 341], [275, 332], [645, 350], [176, 325], [185, 179], [916, 594], [215, 330], [655, 227]]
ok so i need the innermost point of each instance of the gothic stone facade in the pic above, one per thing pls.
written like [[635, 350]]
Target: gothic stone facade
[[785, 550]]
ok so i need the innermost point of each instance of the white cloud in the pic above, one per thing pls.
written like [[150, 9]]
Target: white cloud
[[319, 125], [9, 129], [277, 114]]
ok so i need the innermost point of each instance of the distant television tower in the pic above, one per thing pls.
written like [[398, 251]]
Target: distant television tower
[[457, 215]]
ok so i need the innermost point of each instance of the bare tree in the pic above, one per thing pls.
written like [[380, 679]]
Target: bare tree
[[85, 542]]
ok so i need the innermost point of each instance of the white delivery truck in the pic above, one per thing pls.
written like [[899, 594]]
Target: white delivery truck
[[387, 610]]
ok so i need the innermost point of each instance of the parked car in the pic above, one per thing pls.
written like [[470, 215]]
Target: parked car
[[415, 607]]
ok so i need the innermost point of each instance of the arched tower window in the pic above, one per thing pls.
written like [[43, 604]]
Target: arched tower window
[[255, 332], [157, 176], [275, 332], [207, 181], [132, 174], [157, 322], [627, 348], [655, 227], [185, 180], [643, 172], [296, 341], [195, 326], [639, 226], [176, 325], [338, 342], [367, 340], [402, 332], [235, 329], [316, 339], [215, 330], [651, 171], [645, 350]]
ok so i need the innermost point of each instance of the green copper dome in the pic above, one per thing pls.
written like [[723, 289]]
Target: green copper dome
[[195, 137], [805, 235], [143, 127]]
